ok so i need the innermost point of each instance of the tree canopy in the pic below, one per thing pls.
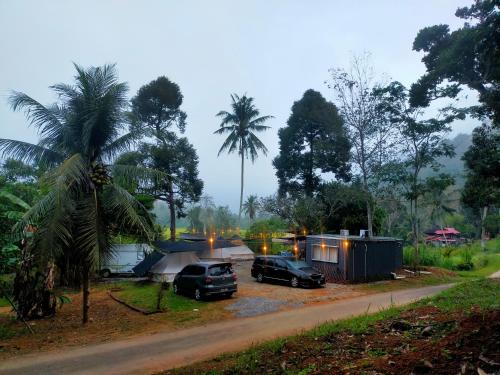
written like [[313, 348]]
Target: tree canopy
[[313, 142], [467, 56]]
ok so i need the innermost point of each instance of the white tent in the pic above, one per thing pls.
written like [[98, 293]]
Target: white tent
[[234, 253], [171, 264]]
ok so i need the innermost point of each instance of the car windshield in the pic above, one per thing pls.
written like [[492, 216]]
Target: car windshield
[[297, 264], [220, 270]]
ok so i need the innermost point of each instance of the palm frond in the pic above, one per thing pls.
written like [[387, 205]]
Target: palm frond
[[127, 174], [41, 117], [14, 200], [225, 129], [72, 172], [29, 153], [127, 210], [230, 144], [93, 234], [120, 145], [257, 143]]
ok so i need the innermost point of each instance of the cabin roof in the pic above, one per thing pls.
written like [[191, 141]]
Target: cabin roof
[[352, 238]]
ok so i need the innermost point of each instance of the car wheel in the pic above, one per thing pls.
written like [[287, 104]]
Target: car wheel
[[105, 273], [197, 295], [260, 278], [176, 289], [294, 282]]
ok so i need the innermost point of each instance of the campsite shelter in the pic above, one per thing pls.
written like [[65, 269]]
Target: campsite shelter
[[172, 256], [223, 250], [353, 258], [170, 264]]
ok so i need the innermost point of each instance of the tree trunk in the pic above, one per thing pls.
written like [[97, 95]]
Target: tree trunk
[[415, 233], [86, 292], [483, 229], [369, 212], [241, 191], [369, 215], [171, 206]]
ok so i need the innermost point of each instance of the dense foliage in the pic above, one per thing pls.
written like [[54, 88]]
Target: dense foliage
[[314, 140]]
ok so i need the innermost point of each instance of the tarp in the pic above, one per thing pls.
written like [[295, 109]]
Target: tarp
[[241, 252], [171, 264], [197, 246], [149, 261]]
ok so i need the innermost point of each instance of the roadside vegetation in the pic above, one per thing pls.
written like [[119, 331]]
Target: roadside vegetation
[[466, 257], [421, 337]]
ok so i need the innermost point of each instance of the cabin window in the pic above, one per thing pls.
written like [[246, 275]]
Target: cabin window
[[325, 253]]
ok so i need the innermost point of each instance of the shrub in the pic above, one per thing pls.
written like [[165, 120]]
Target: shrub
[[464, 267]]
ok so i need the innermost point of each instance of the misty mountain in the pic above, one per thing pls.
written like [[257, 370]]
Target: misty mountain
[[453, 166]]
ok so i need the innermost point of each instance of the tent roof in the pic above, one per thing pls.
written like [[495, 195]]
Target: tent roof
[[149, 261], [198, 246], [174, 262]]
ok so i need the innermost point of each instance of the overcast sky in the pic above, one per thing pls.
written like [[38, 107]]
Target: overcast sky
[[272, 50]]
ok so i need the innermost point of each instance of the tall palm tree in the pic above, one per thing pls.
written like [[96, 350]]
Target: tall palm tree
[[242, 124], [251, 206], [84, 206]]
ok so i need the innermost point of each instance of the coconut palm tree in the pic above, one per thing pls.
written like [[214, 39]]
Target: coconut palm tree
[[251, 206], [84, 206], [242, 123]]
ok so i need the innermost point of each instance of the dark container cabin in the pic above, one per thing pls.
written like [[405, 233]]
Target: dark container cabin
[[353, 258]]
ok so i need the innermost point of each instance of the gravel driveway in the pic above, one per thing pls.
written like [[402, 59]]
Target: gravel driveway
[[255, 298]]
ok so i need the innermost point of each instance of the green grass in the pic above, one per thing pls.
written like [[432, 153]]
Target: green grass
[[4, 302], [178, 231], [7, 332], [7, 281], [467, 296], [144, 296], [456, 257]]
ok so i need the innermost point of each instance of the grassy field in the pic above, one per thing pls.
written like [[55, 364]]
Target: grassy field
[[368, 342]]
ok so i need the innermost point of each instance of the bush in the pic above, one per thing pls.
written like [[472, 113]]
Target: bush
[[466, 255], [463, 267], [9, 256], [481, 261]]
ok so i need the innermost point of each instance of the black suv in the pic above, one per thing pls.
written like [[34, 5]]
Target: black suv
[[293, 271], [205, 279]]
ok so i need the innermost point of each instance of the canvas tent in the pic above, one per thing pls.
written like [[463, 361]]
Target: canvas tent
[[172, 263], [241, 252], [218, 250]]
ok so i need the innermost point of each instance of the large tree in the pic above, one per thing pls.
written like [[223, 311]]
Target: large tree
[[468, 56], [155, 112], [313, 142], [422, 144], [372, 137], [178, 159], [83, 208], [482, 161], [241, 124]]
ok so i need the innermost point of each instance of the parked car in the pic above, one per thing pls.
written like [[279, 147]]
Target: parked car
[[206, 279], [288, 269]]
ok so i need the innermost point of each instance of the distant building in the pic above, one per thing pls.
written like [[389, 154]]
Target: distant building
[[443, 236]]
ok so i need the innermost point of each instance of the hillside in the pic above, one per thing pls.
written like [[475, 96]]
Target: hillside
[[454, 165]]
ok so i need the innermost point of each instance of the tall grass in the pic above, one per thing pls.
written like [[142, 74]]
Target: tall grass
[[461, 258]]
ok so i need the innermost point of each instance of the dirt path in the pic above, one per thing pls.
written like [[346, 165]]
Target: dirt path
[[161, 351]]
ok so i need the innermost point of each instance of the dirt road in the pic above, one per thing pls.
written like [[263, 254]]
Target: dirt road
[[161, 351]]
